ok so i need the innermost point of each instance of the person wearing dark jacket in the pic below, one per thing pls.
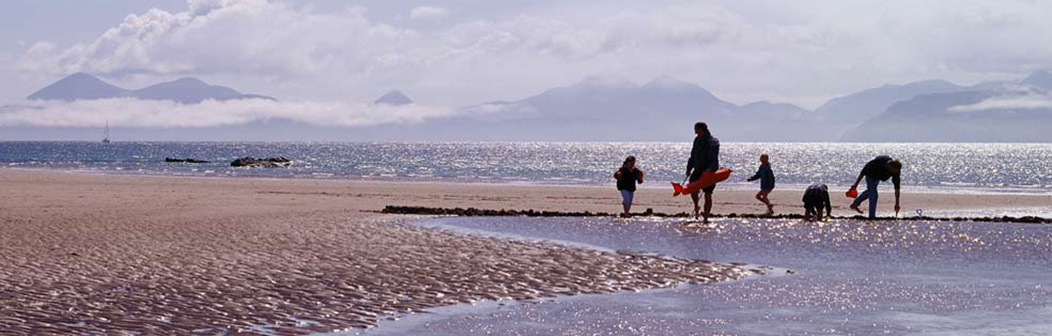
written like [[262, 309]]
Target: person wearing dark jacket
[[766, 177], [704, 157], [627, 176], [815, 198], [879, 169]]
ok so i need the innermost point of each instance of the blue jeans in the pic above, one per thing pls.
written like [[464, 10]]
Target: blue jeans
[[871, 194], [626, 197]]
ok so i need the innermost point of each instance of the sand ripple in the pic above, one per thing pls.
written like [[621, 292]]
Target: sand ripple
[[304, 277]]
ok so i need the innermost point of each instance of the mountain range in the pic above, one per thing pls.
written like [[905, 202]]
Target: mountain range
[[663, 109], [611, 109], [187, 90], [614, 109], [393, 98], [1006, 111]]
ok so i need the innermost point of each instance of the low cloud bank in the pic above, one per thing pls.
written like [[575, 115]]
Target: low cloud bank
[[166, 114], [1015, 102]]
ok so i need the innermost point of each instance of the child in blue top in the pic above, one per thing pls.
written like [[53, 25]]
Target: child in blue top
[[766, 177]]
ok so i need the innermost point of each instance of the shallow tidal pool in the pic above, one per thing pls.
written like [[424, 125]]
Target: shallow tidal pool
[[839, 277]]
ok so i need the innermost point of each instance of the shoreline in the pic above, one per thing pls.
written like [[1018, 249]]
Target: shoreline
[[1019, 190]]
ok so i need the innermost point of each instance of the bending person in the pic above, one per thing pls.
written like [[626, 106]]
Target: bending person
[[816, 198], [879, 169], [704, 156]]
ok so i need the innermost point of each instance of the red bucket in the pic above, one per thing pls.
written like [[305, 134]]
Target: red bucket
[[852, 193]]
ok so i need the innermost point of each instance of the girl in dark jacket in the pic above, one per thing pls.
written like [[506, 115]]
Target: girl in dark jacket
[[627, 176]]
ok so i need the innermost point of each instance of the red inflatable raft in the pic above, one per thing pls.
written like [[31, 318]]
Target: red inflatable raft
[[707, 179]]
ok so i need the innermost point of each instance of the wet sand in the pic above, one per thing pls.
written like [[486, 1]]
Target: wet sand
[[86, 253]]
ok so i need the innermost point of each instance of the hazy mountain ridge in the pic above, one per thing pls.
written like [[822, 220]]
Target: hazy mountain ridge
[[663, 109], [1013, 111], [617, 109], [187, 90], [865, 104], [770, 109], [612, 109], [1039, 79], [79, 86], [393, 98]]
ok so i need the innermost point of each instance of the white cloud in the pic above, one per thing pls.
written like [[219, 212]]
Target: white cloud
[[428, 13], [247, 37], [739, 50], [1013, 102], [167, 114]]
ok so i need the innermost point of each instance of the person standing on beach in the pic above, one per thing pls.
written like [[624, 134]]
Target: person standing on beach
[[815, 198], [766, 177], [704, 156], [627, 176], [879, 169]]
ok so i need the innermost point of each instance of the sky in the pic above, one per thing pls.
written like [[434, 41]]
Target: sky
[[446, 54]]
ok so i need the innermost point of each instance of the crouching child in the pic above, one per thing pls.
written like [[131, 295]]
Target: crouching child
[[816, 198]]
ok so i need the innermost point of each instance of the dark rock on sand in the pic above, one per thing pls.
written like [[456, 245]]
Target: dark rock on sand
[[274, 162], [187, 160]]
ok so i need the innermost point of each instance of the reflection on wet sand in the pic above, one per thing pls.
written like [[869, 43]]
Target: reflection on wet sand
[[850, 277]]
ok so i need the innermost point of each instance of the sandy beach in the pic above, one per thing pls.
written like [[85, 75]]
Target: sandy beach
[[87, 253]]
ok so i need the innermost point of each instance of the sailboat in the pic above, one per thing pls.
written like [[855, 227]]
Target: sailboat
[[106, 136]]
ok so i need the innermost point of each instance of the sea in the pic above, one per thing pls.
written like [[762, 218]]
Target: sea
[[929, 167]]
